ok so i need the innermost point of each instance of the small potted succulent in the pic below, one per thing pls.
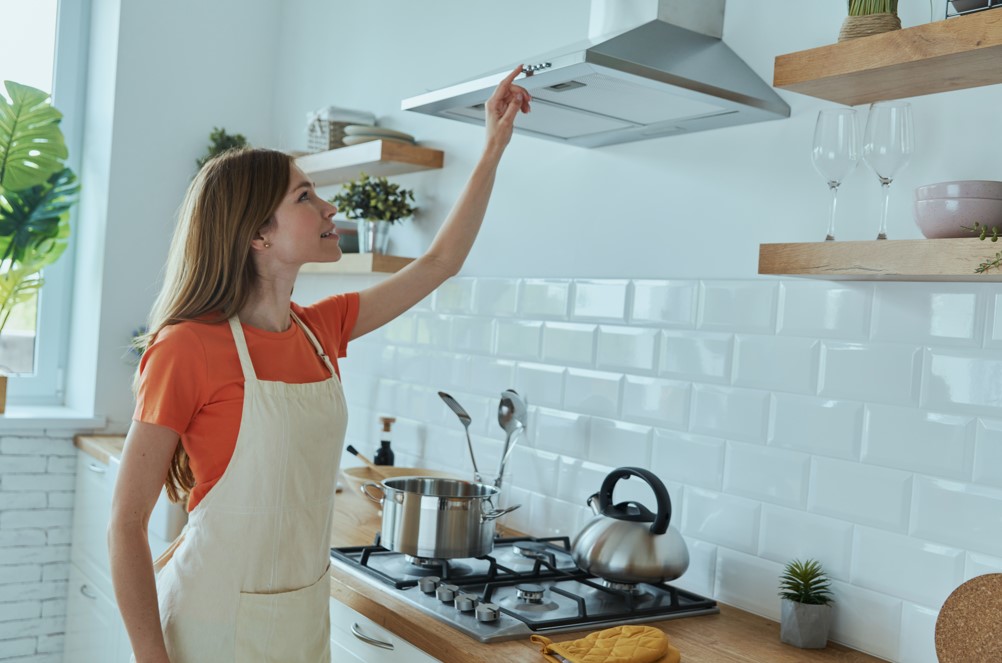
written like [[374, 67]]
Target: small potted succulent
[[869, 17], [375, 203], [807, 605]]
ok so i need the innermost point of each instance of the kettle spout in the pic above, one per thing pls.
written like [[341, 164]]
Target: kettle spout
[[593, 503]]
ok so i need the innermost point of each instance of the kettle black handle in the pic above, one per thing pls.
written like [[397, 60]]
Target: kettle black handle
[[660, 524]]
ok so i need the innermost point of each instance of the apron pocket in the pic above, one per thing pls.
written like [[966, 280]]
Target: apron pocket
[[288, 627]]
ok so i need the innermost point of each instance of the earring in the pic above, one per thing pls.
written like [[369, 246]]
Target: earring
[[267, 245]]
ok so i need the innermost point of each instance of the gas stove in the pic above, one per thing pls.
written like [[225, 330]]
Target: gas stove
[[526, 585]]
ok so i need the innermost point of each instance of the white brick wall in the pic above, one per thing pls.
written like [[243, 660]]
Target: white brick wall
[[856, 423], [36, 514]]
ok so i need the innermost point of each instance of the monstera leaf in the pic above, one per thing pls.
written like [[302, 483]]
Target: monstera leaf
[[35, 222], [32, 147]]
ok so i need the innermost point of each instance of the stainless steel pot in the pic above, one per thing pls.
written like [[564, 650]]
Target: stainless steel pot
[[436, 518], [626, 542]]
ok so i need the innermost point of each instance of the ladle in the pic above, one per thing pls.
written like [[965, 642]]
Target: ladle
[[512, 412], [465, 419]]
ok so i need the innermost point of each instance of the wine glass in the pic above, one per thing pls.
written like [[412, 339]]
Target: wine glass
[[888, 143], [835, 152]]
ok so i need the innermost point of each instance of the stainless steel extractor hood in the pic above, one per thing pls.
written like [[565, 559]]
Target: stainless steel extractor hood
[[666, 76]]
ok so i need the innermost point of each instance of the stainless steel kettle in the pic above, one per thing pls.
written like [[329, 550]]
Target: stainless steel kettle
[[626, 542]]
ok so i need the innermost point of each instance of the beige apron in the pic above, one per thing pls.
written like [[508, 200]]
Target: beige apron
[[247, 580]]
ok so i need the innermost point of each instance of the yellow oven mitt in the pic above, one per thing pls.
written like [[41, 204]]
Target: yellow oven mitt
[[621, 644]]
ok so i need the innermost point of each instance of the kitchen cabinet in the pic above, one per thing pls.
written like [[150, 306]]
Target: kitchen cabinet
[[359, 638], [945, 55], [378, 158], [883, 260], [94, 630]]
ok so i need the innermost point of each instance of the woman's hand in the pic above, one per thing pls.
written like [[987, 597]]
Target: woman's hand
[[502, 107]]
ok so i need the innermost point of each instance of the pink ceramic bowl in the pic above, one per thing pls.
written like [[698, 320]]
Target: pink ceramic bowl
[[960, 189], [938, 218]]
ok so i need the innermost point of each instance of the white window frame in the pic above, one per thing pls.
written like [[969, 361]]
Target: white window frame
[[52, 332]]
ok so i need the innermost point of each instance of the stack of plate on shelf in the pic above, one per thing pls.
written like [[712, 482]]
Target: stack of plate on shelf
[[360, 133]]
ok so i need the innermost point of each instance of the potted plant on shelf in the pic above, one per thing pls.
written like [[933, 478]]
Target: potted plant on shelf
[[376, 204], [219, 142], [807, 605], [37, 190], [869, 17]]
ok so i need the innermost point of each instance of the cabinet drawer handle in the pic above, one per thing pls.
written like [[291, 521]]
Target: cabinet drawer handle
[[95, 467], [357, 632], [86, 591]]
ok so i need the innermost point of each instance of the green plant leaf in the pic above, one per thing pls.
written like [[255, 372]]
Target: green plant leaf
[[805, 582], [32, 146], [34, 224]]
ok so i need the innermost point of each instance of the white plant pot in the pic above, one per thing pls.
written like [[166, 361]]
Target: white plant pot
[[805, 626]]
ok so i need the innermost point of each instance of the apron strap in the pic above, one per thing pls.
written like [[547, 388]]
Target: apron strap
[[241, 342], [315, 342]]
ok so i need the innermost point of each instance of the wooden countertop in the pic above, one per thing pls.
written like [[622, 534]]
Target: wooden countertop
[[733, 636]]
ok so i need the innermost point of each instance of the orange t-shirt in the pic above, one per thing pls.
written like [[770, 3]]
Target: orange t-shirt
[[190, 378]]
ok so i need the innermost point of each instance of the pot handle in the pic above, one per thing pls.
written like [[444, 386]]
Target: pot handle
[[497, 513], [638, 512], [369, 484]]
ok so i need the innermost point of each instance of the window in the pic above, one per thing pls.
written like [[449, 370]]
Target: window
[[44, 46]]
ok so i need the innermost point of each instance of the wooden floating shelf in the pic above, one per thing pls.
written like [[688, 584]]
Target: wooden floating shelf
[[953, 54], [378, 158], [884, 260], [359, 263]]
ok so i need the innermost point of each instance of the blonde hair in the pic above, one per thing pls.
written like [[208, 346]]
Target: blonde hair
[[209, 273]]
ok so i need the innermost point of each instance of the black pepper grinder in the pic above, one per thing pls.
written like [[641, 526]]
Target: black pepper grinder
[[384, 455]]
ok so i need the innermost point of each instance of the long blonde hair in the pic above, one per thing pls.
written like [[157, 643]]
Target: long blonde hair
[[210, 273]]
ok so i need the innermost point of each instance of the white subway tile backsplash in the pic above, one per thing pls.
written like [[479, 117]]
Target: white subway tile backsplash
[[963, 380], [449, 370], [534, 470], [540, 384], [411, 365], [401, 330], [913, 439], [958, 514], [495, 297], [454, 296], [748, 582], [561, 432], [556, 517], [738, 306], [872, 622], [978, 565], [822, 309], [936, 313], [767, 474], [615, 444], [864, 494], [695, 460], [474, 335], [490, 375], [912, 569], [517, 339], [726, 520], [627, 349], [794, 534], [543, 298], [431, 329], [697, 356], [740, 414], [593, 392], [576, 480], [702, 571], [917, 643], [993, 332], [569, 343], [653, 401], [881, 373], [988, 452], [816, 425], [599, 300], [776, 363], [664, 303]]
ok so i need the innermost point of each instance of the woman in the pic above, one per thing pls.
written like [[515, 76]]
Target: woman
[[239, 405]]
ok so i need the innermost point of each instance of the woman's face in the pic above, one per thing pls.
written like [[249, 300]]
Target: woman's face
[[302, 230]]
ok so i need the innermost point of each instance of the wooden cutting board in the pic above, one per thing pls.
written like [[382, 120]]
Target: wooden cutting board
[[969, 626]]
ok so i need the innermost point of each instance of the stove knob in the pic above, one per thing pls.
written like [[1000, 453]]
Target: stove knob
[[488, 612], [446, 592], [429, 584], [466, 602]]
